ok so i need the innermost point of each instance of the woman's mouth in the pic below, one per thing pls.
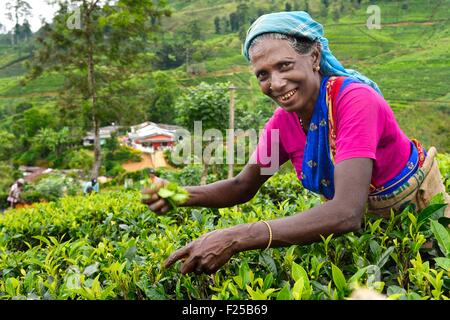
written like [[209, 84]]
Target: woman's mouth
[[287, 96]]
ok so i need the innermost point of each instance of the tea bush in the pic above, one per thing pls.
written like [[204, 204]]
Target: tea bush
[[110, 246], [444, 167], [51, 187]]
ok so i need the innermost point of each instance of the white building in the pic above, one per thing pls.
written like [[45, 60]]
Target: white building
[[150, 136], [105, 133]]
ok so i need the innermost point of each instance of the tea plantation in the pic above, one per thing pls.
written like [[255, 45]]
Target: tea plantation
[[110, 246]]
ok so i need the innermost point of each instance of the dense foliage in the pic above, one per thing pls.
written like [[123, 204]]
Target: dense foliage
[[110, 246]]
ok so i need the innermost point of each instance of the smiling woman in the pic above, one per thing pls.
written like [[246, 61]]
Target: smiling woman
[[340, 134], [287, 70]]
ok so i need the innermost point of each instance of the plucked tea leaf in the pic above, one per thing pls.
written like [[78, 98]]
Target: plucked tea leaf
[[180, 198], [165, 193]]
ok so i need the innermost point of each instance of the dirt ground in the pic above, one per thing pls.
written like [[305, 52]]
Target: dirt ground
[[155, 160]]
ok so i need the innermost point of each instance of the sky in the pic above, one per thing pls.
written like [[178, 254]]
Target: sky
[[39, 8]]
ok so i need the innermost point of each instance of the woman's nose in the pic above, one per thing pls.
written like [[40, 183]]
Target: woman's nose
[[277, 83]]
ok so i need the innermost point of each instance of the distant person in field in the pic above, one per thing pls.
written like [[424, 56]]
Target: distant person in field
[[91, 186], [14, 193], [340, 134]]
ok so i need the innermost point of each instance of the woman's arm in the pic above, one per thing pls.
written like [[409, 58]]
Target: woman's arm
[[341, 215], [227, 193], [220, 194]]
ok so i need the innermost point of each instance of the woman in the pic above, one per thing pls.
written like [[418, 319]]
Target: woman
[[91, 186], [14, 193], [339, 133]]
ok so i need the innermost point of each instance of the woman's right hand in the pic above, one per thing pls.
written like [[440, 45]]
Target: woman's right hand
[[152, 200]]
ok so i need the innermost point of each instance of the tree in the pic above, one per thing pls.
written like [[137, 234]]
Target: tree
[[7, 176], [48, 142], [287, 7], [404, 5], [194, 32], [242, 13], [7, 145], [98, 47], [242, 33], [208, 104], [25, 31], [32, 120], [217, 25], [234, 22], [170, 54], [225, 25], [15, 10], [326, 3], [324, 8], [306, 5], [163, 95], [336, 7]]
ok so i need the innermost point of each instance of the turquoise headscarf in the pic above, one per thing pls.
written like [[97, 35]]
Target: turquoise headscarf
[[300, 24]]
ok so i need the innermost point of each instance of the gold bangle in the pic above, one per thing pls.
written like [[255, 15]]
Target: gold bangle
[[270, 234]]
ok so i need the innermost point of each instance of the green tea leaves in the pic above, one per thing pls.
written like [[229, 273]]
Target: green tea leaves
[[339, 280], [433, 211], [173, 193], [442, 237]]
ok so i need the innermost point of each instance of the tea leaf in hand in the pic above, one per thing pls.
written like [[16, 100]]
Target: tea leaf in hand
[[165, 193]]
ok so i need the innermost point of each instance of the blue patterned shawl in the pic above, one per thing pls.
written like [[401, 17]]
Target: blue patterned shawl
[[318, 166]]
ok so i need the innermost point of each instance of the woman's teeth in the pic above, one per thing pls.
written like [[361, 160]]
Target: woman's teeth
[[286, 96]]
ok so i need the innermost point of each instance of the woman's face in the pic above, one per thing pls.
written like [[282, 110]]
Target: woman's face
[[286, 76]]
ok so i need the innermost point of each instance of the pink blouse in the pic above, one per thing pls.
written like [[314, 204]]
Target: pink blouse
[[365, 128]]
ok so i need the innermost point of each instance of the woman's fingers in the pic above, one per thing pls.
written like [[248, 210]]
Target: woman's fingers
[[190, 265], [151, 198], [158, 205], [155, 203], [165, 209], [207, 254], [177, 255]]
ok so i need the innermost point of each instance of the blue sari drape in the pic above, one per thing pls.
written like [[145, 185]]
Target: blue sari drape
[[318, 165]]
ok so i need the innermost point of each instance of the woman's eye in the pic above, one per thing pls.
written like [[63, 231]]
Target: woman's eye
[[286, 65], [262, 76]]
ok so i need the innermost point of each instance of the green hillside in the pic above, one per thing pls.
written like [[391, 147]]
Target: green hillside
[[407, 57]]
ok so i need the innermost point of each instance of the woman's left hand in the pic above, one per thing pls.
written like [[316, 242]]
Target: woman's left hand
[[205, 254]]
